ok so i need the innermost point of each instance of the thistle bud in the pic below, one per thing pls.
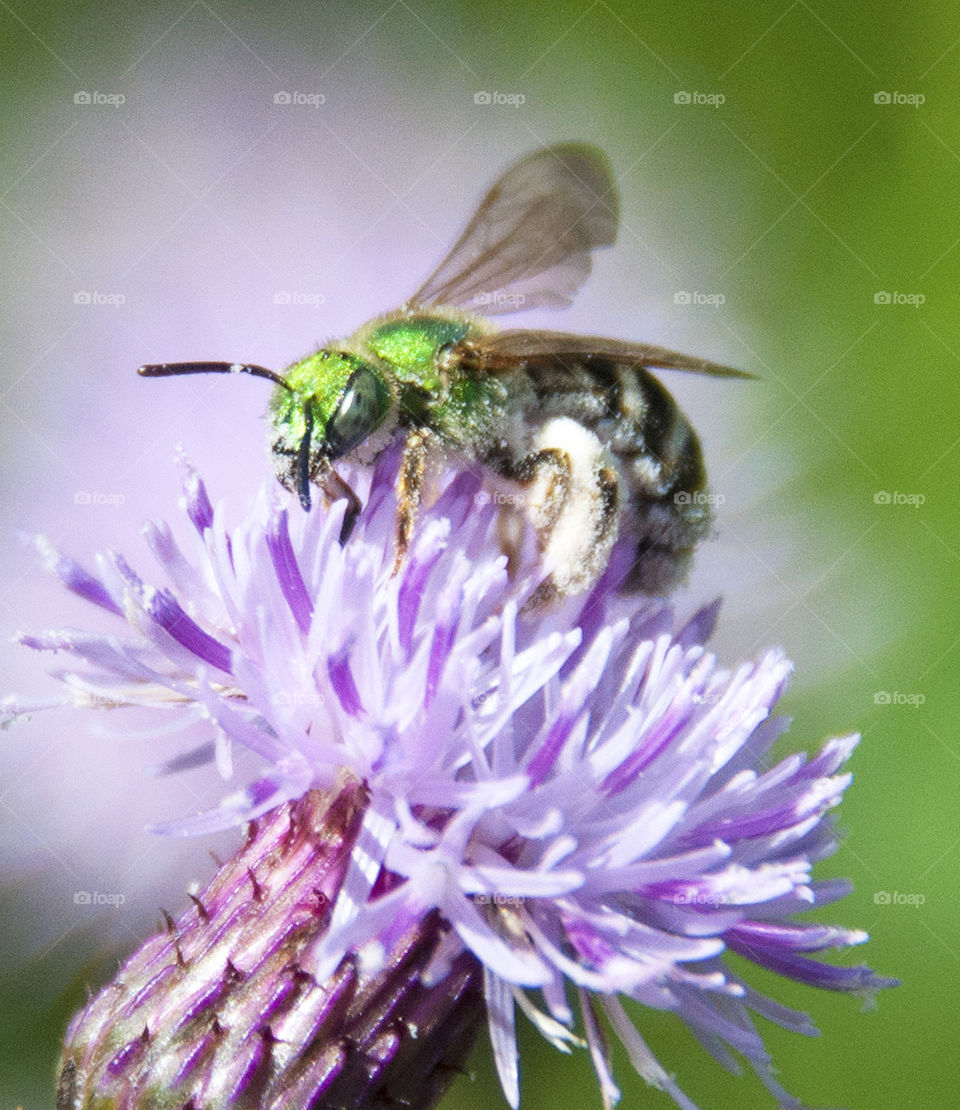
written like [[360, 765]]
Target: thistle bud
[[222, 1010]]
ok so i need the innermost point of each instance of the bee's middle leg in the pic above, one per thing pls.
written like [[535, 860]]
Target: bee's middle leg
[[410, 483]]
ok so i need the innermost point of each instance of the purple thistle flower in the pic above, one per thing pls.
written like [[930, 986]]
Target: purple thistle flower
[[575, 799]]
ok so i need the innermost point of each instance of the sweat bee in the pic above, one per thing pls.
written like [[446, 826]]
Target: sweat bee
[[590, 444]]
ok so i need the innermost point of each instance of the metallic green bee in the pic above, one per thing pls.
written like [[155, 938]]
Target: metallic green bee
[[571, 430]]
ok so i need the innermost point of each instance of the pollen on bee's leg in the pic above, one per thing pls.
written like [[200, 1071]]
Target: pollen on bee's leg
[[511, 530], [573, 501], [405, 519], [546, 477], [410, 479], [545, 481], [609, 489]]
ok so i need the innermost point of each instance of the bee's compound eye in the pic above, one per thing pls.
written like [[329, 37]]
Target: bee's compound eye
[[362, 407]]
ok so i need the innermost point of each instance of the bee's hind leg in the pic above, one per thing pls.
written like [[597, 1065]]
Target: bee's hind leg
[[571, 496]]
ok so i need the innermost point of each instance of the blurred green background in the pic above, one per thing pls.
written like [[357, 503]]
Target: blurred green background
[[789, 175]]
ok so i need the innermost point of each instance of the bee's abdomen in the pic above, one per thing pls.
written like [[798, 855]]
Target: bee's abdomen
[[663, 505], [631, 412], [666, 511], [653, 438]]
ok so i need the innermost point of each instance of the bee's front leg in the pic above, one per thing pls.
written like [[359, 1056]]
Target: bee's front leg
[[334, 488], [572, 498], [410, 482]]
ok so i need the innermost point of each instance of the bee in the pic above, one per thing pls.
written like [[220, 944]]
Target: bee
[[572, 431]]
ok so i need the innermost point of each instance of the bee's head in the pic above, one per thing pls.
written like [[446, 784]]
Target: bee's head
[[326, 406]]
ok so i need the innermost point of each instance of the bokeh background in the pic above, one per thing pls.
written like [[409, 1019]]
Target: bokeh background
[[790, 175]]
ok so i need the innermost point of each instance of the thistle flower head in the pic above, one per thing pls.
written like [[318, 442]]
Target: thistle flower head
[[580, 795]]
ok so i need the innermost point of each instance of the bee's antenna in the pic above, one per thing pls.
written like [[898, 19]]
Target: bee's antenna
[[171, 369], [303, 460]]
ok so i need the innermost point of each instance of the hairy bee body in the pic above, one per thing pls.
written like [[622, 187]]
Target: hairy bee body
[[587, 448], [574, 432]]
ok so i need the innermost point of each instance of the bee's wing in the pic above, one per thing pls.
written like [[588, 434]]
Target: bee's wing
[[507, 350], [528, 244]]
